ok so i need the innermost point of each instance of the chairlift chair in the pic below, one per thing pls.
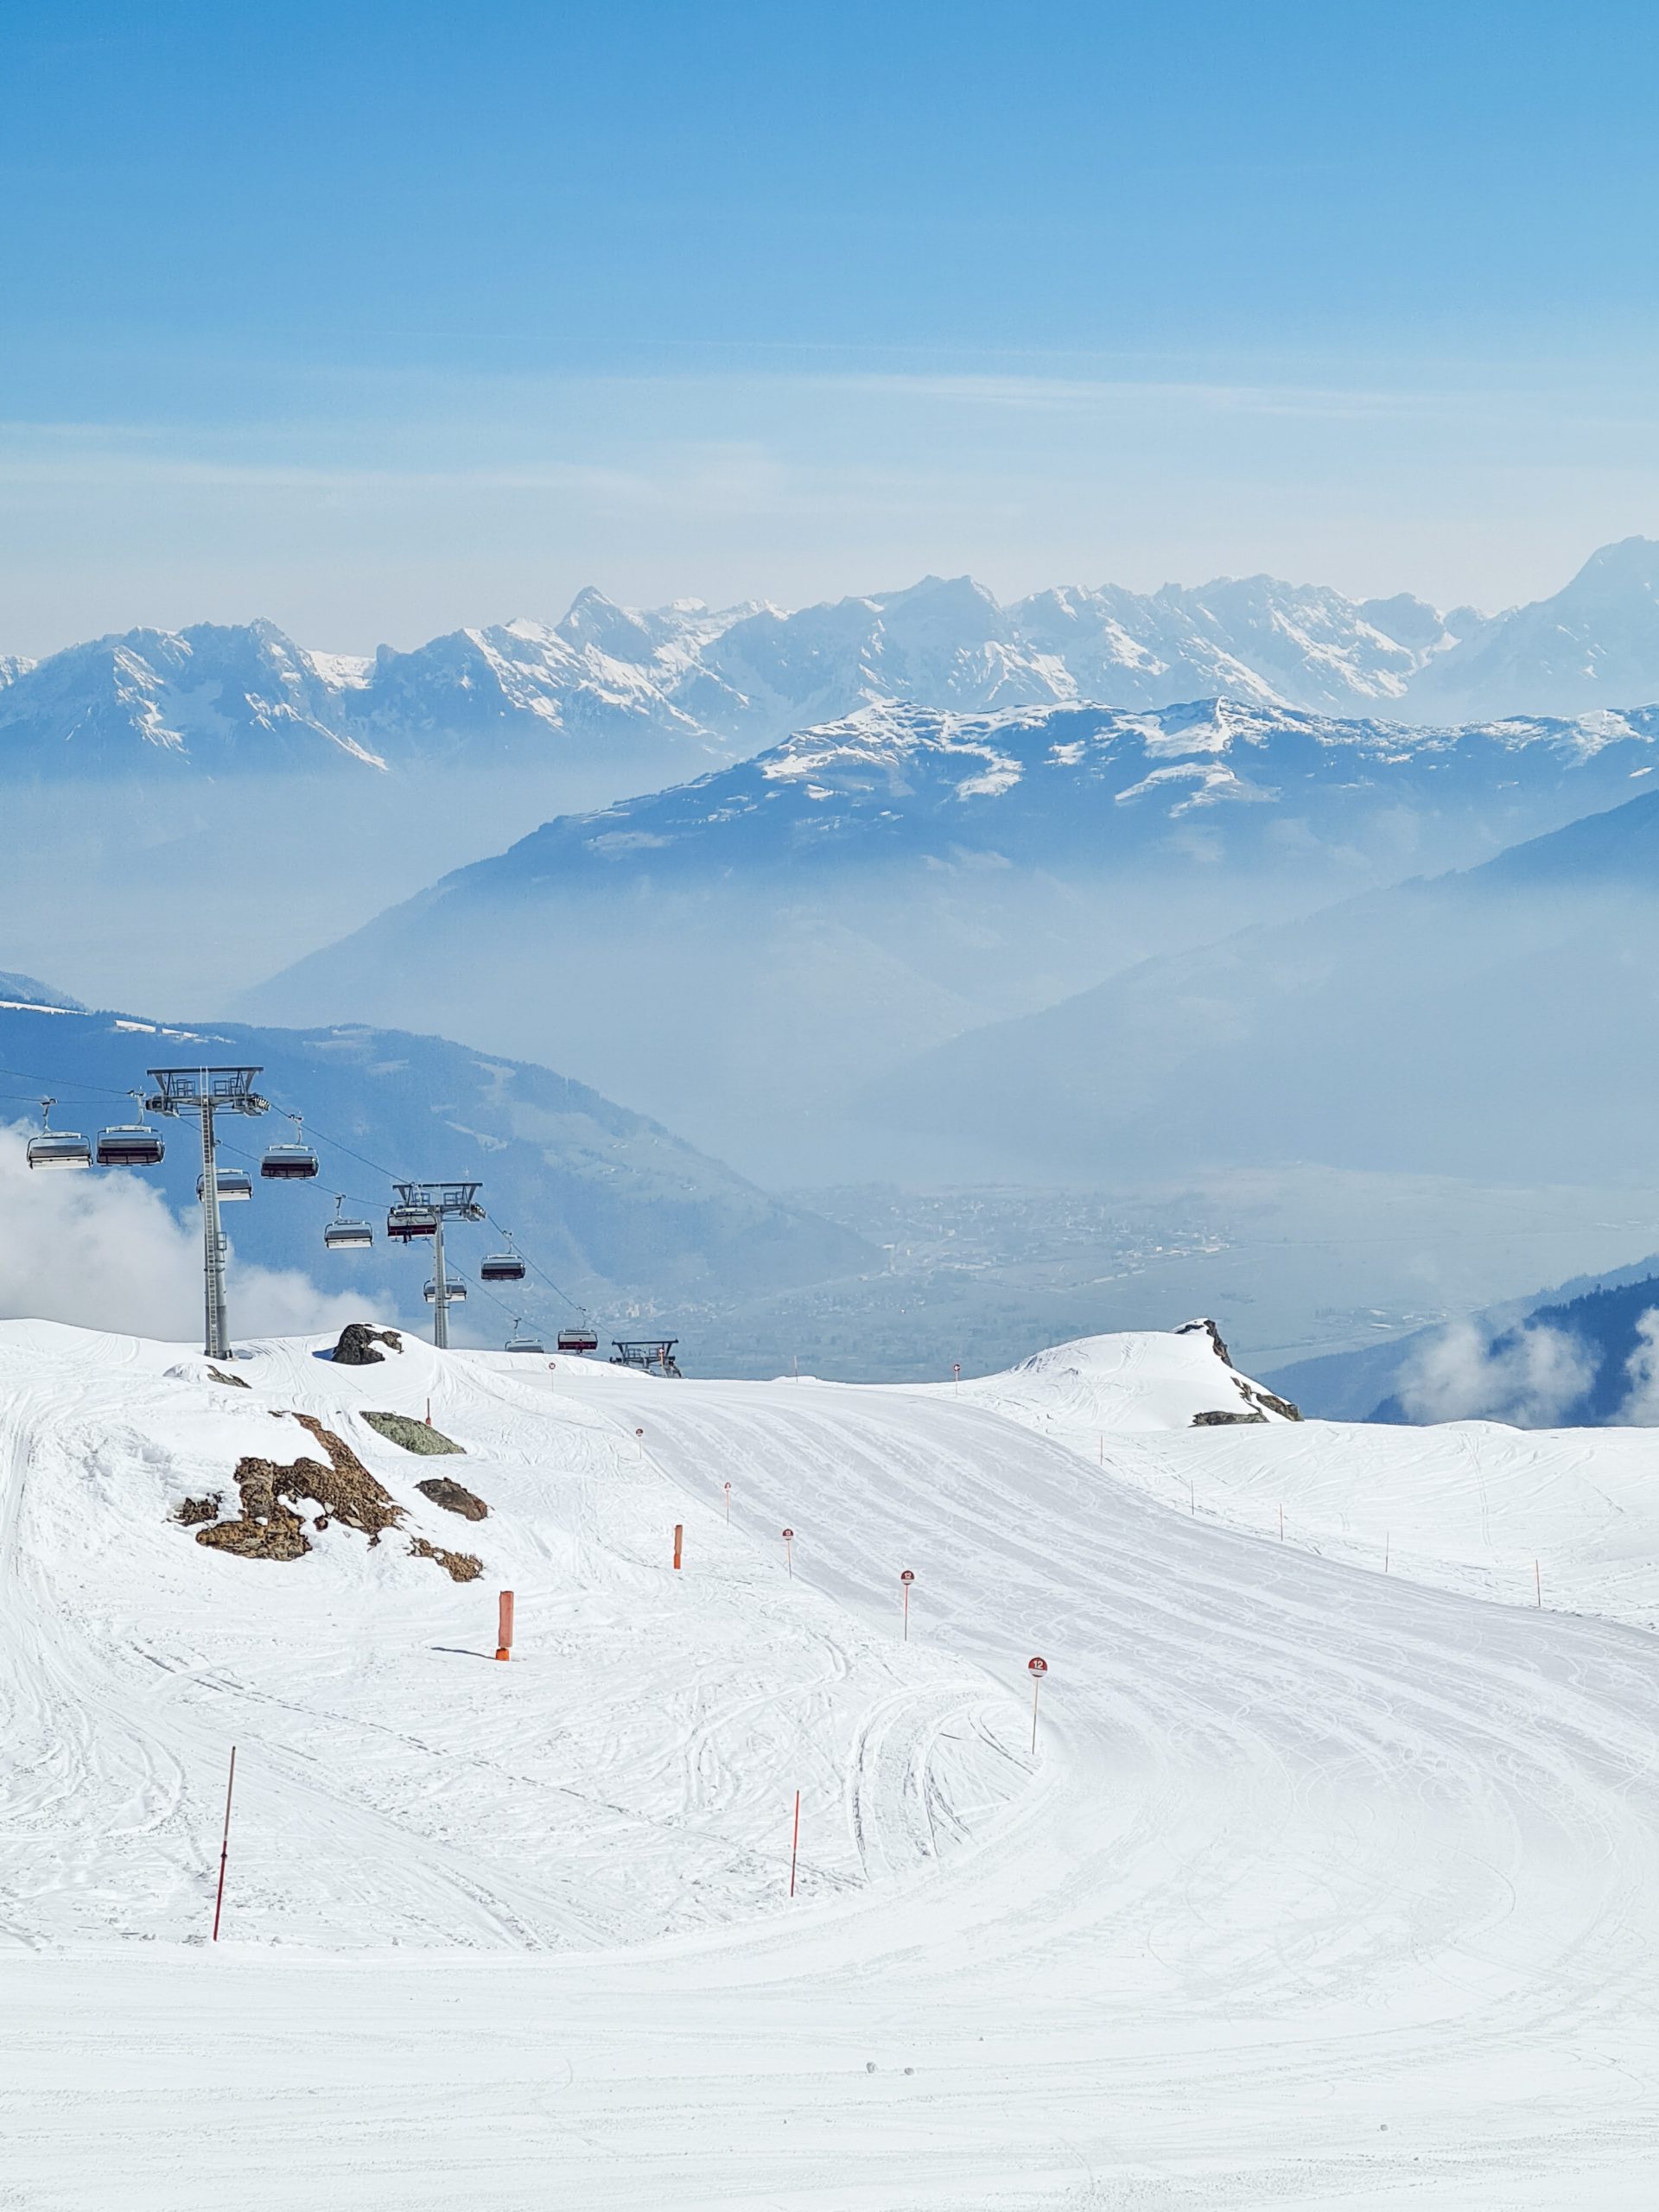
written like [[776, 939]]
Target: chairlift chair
[[520, 1342], [134, 1144], [292, 1162], [455, 1291], [578, 1340], [233, 1184], [404, 1224], [57, 1148], [343, 1236], [501, 1266]]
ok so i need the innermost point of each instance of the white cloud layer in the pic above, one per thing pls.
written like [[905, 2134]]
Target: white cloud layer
[[1529, 1378], [103, 1251]]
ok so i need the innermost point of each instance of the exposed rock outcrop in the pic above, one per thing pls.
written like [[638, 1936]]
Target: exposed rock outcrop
[[454, 1497], [1208, 1328], [413, 1435], [460, 1566], [357, 1345], [191, 1512], [268, 1527]]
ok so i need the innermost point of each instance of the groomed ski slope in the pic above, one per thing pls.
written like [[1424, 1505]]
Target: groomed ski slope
[[1325, 1888]]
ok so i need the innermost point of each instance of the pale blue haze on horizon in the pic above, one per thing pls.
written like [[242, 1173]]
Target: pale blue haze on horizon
[[377, 320]]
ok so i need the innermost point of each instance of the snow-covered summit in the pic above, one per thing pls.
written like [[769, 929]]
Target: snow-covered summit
[[700, 683], [1047, 784], [1162, 1379]]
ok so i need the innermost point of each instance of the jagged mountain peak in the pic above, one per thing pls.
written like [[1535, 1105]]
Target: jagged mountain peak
[[697, 683]]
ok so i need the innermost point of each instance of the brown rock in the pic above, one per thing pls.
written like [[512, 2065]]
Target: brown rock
[[454, 1497], [460, 1566]]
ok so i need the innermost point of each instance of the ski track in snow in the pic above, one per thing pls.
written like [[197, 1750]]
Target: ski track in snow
[[1326, 1888]]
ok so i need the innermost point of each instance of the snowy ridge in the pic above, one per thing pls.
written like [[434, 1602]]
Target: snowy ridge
[[697, 683], [1037, 782], [1165, 1379]]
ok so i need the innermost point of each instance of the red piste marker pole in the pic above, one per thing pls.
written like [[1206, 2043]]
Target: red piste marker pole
[[1036, 1669], [728, 1504], [906, 1578], [503, 1626], [956, 1370], [789, 1556], [679, 1538], [224, 1845], [795, 1844]]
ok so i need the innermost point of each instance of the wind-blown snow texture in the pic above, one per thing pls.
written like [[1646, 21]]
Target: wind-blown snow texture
[[685, 682], [1322, 1887]]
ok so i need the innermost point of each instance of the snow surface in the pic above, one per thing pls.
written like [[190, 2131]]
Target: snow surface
[[1567, 1518], [1324, 1887]]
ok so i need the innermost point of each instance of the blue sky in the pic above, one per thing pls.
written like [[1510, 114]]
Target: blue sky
[[378, 320]]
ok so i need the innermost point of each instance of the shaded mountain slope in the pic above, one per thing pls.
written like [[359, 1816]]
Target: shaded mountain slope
[[606, 1201], [792, 925], [1498, 1021]]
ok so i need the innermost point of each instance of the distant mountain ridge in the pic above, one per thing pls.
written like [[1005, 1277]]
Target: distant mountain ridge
[[1043, 785], [743, 953], [690, 685]]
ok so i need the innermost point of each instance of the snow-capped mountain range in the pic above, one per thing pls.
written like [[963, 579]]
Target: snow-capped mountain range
[[844, 899], [682, 686]]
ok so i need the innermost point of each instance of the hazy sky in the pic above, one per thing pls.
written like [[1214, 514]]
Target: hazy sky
[[380, 319]]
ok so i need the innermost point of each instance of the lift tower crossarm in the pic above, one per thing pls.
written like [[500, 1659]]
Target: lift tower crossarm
[[444, 1201]]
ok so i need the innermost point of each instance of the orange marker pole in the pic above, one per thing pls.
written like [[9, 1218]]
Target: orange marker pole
[[795, 1845], [224, 1845], [679, 1537], [503, 1626]]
